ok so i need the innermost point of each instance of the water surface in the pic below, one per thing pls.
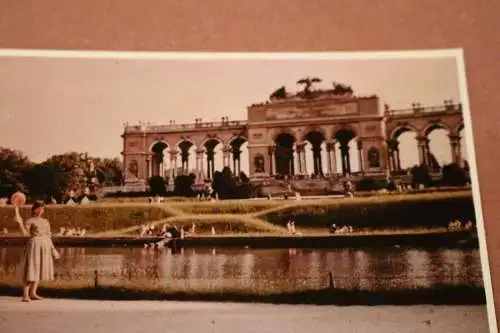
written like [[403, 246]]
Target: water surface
[[284, 269]]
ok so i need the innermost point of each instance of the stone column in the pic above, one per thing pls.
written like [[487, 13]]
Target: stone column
[[173, 164], [398, 158], [393, 155], [329, 148], [334, 157], [226, 157], [344, 152], [423, 150], [360, 156], [199, 169], [300, 154], [304, 163], [456, 151], [148, 167], [390, 159], [272, 163]]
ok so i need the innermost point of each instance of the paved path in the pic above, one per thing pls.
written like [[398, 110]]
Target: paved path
[[74, 316]]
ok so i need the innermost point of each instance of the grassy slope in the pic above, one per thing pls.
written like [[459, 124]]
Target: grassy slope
[[429, 210]]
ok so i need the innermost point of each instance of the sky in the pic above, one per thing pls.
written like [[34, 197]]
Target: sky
[[55, 105]]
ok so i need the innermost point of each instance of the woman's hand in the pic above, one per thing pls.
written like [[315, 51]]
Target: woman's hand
[[55, 254]]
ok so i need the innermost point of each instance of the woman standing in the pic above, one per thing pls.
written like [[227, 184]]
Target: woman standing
[[39, 253]]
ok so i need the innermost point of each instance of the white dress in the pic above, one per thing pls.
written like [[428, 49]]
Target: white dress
[[38, 263]]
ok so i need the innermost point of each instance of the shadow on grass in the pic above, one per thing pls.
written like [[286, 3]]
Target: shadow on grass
[[442, 295]]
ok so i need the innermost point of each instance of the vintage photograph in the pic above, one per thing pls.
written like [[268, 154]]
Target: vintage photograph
[[236, 192]]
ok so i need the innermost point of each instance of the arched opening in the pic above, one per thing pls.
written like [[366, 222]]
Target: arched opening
[[314, 154], [403, 150], [158, 159], [349, 151], [186, 158], [284, 157], [235, 162], [214, 159], [439, 151]]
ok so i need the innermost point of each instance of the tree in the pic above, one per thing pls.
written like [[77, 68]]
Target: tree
[[13, 168], [420, 176], [109, 171], [157, 185], [73, 169], [370, 184], [183, 185], [224, 184], [45, 181], [453, 175]]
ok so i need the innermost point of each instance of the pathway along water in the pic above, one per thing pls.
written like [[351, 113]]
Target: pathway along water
[[266, 269]]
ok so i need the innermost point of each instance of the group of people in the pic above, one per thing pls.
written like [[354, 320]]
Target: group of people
[[80, 232], [84, 199], [346, 229], [457, 225], [290, 227]]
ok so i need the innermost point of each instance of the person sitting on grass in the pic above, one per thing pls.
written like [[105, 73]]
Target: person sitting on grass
[[469, 225]]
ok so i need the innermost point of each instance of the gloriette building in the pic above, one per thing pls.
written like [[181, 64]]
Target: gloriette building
[[276, 132]]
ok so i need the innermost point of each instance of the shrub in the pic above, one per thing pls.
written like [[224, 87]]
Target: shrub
[[370, 184], [453, 175], [420, 176]]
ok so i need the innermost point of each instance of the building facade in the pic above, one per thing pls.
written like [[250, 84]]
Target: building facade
[[278, 132]]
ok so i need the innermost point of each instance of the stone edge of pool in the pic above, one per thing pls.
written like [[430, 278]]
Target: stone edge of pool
[[431, 239]]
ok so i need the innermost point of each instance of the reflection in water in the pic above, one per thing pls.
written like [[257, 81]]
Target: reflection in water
[[285, 269]]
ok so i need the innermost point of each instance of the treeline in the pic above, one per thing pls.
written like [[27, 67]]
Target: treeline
[[56, 176]]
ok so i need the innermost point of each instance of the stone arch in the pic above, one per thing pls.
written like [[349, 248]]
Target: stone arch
[[207, 138], [185, 140], [314, 151], [458, 128], [184, 146], [158, 161], [396, 132], [284, 153], [283, 131], [436, 158], [210, 144], [312, 129], [235, 151], [344, 135], [402, 148], [433, 126], [155, 142], [237, 137], [344, 129]]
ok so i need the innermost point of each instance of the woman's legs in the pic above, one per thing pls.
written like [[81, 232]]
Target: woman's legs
[[26, 290], [34, 287]]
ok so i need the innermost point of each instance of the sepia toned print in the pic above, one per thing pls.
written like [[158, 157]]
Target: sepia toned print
[[285, 179]]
